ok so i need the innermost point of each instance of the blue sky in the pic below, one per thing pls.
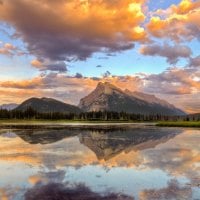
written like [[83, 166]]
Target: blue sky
[[105, 41]]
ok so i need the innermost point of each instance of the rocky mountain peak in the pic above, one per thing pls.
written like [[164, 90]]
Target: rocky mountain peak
[[106, 96], [107, 88]]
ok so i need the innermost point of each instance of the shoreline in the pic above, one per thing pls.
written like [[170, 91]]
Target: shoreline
[[74, 123]]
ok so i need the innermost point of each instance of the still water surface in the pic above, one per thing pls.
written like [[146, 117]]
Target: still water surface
[[104, 163]]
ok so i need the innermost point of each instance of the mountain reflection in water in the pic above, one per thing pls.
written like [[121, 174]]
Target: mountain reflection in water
[[104, 143], [143, 163]]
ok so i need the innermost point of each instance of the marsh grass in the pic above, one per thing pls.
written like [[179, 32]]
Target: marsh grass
[[180, 124]]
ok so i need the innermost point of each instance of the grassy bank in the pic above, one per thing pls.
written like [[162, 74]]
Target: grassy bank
[[65, 122], [41, 121], [179, 124], [48, 124]]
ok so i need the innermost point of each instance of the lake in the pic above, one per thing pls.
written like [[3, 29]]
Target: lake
[[100, 162]]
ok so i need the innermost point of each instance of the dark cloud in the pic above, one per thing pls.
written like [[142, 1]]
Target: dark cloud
[[57, 66], [99, 66], [193, 31], [54, 66], [78, 75], [73, 30], [106, 74], [56, 191], [171, 53], [195, 62], [96, 78]]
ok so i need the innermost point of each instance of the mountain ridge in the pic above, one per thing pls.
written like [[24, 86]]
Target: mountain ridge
[[111, 98], [9, 106], [46, 105], [106, 97]]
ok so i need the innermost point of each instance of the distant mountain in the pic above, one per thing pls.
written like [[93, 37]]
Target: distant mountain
[[10, 106], [108, 97], [45, 105]]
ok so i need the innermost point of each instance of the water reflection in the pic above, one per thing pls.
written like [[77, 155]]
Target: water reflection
[[63, 192], [104, 143], [107, 144], [109, 163], [44, 136]]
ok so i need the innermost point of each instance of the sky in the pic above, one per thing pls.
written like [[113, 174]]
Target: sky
[[63, 48]]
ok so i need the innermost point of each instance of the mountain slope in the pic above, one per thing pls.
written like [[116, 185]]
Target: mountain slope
[[45, 105], [10, 106], [108, 97]]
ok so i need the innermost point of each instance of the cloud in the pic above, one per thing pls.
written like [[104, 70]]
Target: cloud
[[172, 53], [8, 49], [99, 66], [175, 81], [78, 75], [106, 74], [11, 50], [195, 62], [68, 30], [179, 23], [188, 102], [56, 66], [66, 88]]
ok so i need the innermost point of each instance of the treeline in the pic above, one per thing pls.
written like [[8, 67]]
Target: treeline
[[30, 113]]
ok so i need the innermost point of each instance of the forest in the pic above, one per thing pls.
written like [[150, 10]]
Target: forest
[[30, 113]]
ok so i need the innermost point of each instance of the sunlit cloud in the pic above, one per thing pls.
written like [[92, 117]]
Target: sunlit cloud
[[9, 49], [178, 23], [173, 84], [65, 30]]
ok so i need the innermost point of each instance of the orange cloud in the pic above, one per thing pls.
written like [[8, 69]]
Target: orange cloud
[[8, 49], [65, 30], [179, 86], [178, 22], [68, 88], [36, 63], [185, 6]]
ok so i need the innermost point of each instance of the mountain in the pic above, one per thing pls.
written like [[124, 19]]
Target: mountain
[[108, 97], [45, 105], [10, 106]]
